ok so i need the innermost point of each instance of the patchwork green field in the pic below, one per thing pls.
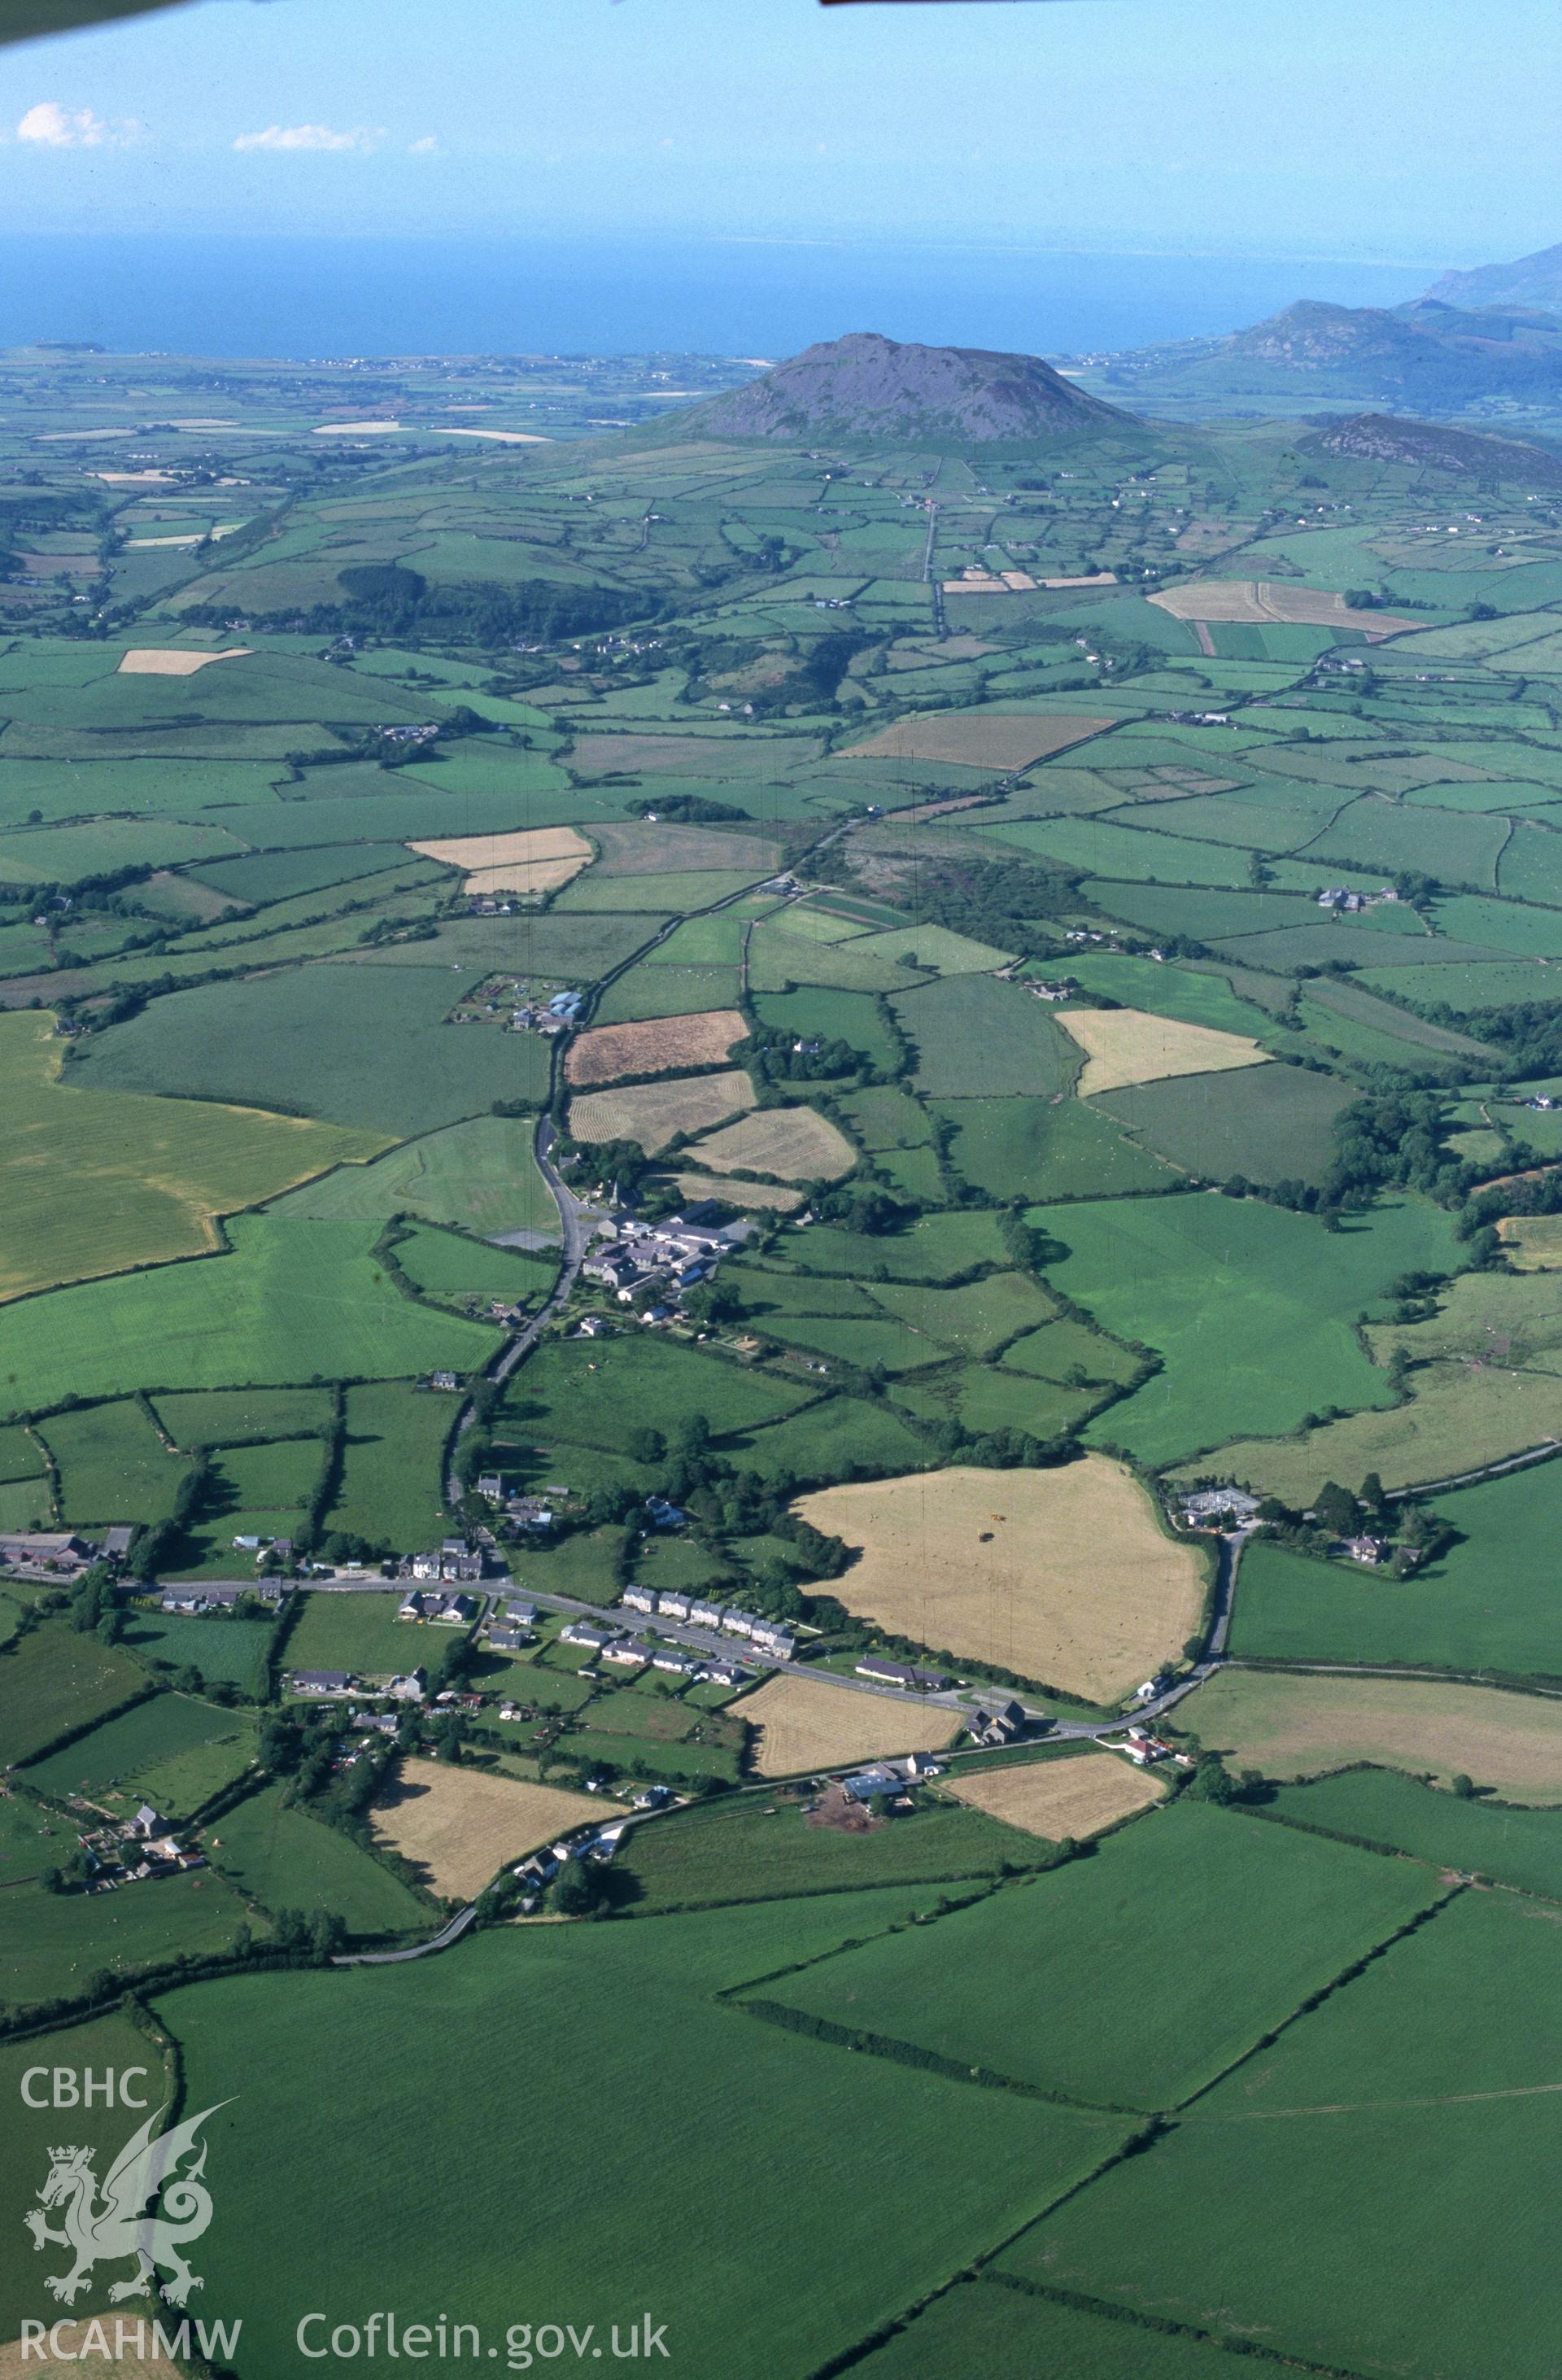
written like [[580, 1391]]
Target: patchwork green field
[[294, 1301], [749, 2114], [1192, 1275], [1039, 1982], [279, 1060]]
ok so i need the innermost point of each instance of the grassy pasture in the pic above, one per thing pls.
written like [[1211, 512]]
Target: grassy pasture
[[1041, 1981], [1215, 1286], [986, 2332], [173, 1752], [55, 1680], [662, 989], [367, 1047], [1488, 1603], [113, 1466], [839, 1437], [480, 1175], [748, 2116], [813, 1011], [94, 1183], [450, 1265], [1045, 1148], [1501, 1839], [1060, 1575], [976, 1320], [281, 1858], [779, 961], [391, 1490], [54, 1942], [236, 1416], [976, 1038], [597, 1392], [1268, 1124], [294, 1301], [936, 1248], [755, 1850], [1398, 2119], [236, 1651]]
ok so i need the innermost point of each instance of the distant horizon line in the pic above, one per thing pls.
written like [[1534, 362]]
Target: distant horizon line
[[902, 242]]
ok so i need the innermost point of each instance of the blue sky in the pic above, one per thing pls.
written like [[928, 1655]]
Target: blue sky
[[1413, 130]]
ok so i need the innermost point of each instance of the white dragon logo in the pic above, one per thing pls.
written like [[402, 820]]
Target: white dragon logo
[[123, 2225]]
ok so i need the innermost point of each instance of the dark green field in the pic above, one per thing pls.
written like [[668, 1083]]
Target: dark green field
[[1041, 1984], [1268, 1124]]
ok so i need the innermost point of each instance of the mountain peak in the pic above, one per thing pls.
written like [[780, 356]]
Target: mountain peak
[[864, 385]]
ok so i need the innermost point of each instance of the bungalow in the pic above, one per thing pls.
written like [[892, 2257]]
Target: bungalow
[[581, 1632], [1004, 1725], [655, 1797], [446, 1381], [377, 1722], [629, 1653], [900, 1673], [664, 1515], [452, 1610], [676, 1664], [509, 1640], [415, 1606], [596, 1326], [721, 1673], [520, 1614], [322, 1681]]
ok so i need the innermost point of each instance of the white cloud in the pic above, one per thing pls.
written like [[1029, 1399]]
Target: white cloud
[[49, 125], [427, 147], [311, 136]]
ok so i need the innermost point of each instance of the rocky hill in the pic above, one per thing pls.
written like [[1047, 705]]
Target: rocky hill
[[1425, 358], [1533, 282], [865, 387], [1430, 446]]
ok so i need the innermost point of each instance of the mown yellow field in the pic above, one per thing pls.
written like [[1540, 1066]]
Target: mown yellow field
[[797, 1143], [1128, 1045], [462, 1827], [657, 1046], [805, 1725], [1532, 1243], [1055, 1798], [758, 1195], [652, 1112], [979, 740], [1064, 1576], [172, 661], [1263, 599], [1302, 1726], [538, 860]]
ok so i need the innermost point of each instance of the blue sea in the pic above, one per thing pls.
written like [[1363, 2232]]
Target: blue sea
[[265, 296]]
